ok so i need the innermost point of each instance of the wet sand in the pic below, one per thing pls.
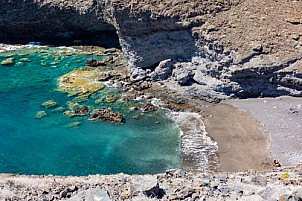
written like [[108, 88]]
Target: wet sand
[[241, 143]]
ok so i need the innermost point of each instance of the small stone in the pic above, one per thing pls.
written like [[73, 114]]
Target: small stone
[[9, 61], [295, 36], [293, 20], [266, 193], [49, 104], [40, 114], [257, 47], [197, 188]]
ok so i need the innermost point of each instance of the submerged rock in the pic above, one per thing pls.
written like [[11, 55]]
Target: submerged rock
[[82, 111], [49, 104], [80, 81], [72, 105], [69, 114], [107, 114], [73, 124], [25, 60], [138, 116], [9, 61], [59, 109], [40, 115]]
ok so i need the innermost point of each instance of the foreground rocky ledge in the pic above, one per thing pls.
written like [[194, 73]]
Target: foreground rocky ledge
[[175, 184]]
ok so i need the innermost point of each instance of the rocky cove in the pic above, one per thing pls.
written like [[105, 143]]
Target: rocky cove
[[183, 53]]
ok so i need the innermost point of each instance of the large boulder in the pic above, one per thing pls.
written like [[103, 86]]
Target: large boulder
[[163, 70]]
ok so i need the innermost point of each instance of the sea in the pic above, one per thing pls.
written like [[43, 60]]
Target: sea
[[60, 145]]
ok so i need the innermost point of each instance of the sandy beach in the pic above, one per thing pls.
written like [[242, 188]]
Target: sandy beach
[[281, 119], [251, 133], [241, 143]]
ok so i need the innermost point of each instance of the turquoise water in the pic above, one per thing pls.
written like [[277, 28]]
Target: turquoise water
[[49, 146]]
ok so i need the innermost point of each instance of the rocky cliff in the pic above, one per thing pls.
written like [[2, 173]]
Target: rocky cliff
[[219, 49]]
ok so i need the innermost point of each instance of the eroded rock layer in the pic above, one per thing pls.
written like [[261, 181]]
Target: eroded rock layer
[[219, 49]]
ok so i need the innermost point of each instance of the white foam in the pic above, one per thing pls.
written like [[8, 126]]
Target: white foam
[[198, 150], [6, 47]]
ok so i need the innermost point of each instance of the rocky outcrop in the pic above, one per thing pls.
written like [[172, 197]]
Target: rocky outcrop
[[82, 111], [107, 114], [220, 49]]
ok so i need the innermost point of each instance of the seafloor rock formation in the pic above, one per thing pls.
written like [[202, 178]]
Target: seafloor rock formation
[[220, 49], [107, 114]]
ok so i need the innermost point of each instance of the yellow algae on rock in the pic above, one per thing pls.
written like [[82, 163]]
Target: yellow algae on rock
[[25, 60], [69, 114], [49, 103], [59, 109], [72, 105], [40, 114], [80, 81], [82, 98], [111, 99], [99, 101], [9, 61]]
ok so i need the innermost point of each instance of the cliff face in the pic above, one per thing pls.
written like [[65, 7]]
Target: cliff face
[[220, 49]]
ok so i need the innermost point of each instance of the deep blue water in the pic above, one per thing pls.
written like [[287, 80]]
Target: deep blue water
[[47, 146]]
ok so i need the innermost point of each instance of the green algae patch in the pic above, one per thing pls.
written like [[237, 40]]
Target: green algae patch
[[40, 115], [49, 104], [59, 109], [73, 124], [80, 81]]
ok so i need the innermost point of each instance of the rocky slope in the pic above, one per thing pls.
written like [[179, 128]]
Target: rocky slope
[[220, 49], [279, 184]]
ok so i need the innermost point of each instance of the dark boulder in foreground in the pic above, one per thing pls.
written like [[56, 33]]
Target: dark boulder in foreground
[[107, 114]]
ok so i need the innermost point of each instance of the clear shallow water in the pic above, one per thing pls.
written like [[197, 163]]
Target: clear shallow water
[[47, 146]]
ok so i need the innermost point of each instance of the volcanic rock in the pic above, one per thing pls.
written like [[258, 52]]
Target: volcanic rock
[[107, 114], [82, 111]]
